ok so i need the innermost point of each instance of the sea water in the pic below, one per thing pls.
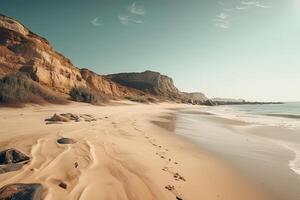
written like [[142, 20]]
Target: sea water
[[252, 154], [285, 115]]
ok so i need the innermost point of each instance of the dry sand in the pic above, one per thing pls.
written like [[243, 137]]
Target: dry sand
[[121, 155]]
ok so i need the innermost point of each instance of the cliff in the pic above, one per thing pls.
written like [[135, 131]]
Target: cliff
[[150, 82], [24, 51]]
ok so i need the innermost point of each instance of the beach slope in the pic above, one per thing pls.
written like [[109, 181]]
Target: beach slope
[[116, 153]]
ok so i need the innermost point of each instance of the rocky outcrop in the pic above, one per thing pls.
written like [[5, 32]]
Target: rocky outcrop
[[226, 100], [28, 52], [106, 86], [12, 160], [67, 117], [148, 81], [195, 98], [21, 191]]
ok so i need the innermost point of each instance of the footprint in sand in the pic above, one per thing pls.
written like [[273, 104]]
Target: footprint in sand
[[176, 175], [63, 185], [172, 189], [76, 165]]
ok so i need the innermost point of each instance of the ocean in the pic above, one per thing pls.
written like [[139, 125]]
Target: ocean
[[285, 115], [265, 147]]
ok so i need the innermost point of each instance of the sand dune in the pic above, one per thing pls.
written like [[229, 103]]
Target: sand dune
[[121, 156]]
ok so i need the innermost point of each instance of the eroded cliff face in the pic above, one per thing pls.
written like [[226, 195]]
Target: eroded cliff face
[[25, 51], [148, 81], [196, 96], [22, 50], [106, 86]]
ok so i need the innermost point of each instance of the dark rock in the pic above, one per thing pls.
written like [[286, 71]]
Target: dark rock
[[12, 160], [63, 185], [209, 103], [178, 198], [20, 191], [71, 116], [66, 117], [57, 118], [66, 141]]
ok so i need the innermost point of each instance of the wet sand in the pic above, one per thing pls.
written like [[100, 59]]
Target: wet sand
[[121, 155], [259, 153]]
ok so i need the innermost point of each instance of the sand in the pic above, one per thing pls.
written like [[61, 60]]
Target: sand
[[122, 155]]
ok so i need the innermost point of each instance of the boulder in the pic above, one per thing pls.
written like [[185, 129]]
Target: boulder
[[71, 116], [21, 191], [63, 185], [57, 118], [12, 160], [66, 141]]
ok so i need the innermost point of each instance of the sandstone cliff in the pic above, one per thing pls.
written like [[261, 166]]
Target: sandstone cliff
[[150, 82], [196, 96], [22, 50]]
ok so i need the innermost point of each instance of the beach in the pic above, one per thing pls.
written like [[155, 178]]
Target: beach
[[266, 154], [129, 151]]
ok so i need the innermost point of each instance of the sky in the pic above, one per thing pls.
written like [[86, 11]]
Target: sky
[[246, 49]]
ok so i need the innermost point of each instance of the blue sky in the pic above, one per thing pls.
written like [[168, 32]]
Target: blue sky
[[232, 48]]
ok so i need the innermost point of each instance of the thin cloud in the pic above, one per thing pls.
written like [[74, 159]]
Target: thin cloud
[[136, 10], [126, 20], [222, 19], [252, 4], [262, 6], [242, 7], [133, 15], [222, 25], [97, 22], [249, 3]]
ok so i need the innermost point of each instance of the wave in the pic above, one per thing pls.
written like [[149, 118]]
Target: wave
[[294, 164], [284, 115], [286, 120]]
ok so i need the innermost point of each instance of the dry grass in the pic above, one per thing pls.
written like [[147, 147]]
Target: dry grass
[[86, 95], [17, 89], [142, 99]]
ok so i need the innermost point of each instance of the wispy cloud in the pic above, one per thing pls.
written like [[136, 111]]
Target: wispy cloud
[[222, 19], [136, 9], [252, 4], [126, 20], [97, 22], [134, 15]]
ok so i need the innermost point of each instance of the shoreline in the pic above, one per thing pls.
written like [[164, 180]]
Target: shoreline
[[122, 152], [256, 152]]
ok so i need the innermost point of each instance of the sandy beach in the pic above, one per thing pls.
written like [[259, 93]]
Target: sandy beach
[[130, 152]]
